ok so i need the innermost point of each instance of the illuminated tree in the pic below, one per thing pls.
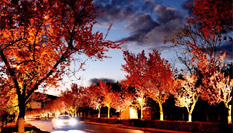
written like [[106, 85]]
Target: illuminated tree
[[56, 106], [8, 97], [95, 95], [8, 102], [216, 86], [38, 40], [131, 94], [108, 95], [213, 18], [123, 102], [151, 75], [187, 94], [74, 98], [207, 65], [140, 99], [206, 31], [135, 75]]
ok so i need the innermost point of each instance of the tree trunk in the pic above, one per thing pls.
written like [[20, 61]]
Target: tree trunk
[[20, 121], [191, 110], [89, 113], [206, 113], [99, 112], [161, 111], [75, 112], [141, 112], [229, 115], [190, 118], [190, 115], [109, 111]]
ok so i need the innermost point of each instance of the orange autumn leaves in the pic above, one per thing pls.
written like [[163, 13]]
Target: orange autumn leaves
[[40, 37], [150, 74]]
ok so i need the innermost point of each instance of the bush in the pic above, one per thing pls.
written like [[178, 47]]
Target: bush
[[109, 121], [180, 125]]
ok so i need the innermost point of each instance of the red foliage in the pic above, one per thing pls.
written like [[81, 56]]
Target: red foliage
[[102, 94], [75, 98], [216, 86], [151, 75], [212, 16], [95, 96]]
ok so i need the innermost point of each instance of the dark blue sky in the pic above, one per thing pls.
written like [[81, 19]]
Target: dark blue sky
[[147, 22], [144, 24]]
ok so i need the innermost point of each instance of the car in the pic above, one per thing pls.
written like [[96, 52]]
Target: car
[[64, 122]]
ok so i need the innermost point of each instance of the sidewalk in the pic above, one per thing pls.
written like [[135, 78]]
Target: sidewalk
[[136, 128]]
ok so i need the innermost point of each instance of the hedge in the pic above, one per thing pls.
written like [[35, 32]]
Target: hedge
[[210, 127]]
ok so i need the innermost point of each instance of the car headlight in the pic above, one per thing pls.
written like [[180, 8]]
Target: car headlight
[[58, 122], [73, 122]]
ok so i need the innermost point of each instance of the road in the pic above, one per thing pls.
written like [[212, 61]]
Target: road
[[83, 128]]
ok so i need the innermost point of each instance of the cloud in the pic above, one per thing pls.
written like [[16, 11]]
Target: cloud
[[115, 14], [165, 14], [114, 11], [147, 22], [145, 31], [141, 23], [158, 33], [139, 27], [96, 80]]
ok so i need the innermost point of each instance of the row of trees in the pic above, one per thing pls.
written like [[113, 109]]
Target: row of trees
[[205, 77], [151, 76], [96, 96], [38, 40]]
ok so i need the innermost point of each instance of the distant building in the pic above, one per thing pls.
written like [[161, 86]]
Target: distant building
[[129, 113]]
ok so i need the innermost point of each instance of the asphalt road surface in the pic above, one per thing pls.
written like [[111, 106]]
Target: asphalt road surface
[[82, 128]]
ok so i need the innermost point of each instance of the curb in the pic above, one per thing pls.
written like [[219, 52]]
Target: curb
[[135, 128]]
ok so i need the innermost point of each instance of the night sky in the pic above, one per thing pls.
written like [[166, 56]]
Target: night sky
[[143, 24]]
